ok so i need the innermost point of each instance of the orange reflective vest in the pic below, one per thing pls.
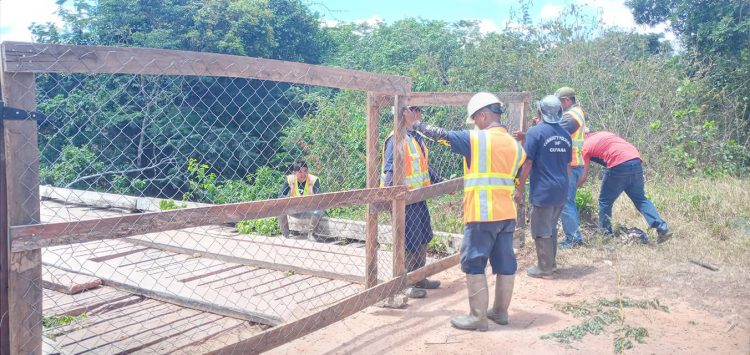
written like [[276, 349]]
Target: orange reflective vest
[[416, 169], [309, 184], [576, 113], [489, 178]]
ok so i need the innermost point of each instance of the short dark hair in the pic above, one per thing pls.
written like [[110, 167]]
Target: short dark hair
[[298, 165]]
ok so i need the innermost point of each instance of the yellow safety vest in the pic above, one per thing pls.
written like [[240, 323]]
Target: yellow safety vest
[[417, 173], [576, 113], [489, 178], [309, 184]]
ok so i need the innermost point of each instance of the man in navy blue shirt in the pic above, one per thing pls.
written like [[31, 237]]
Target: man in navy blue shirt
[[549, 151]]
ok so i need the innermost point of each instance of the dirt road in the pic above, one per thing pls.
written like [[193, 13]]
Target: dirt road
[[423, 328]]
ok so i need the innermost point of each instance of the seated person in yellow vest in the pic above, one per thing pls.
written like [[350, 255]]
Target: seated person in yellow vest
[[492, 159], [550, 151], [418, 231], [300, 183]]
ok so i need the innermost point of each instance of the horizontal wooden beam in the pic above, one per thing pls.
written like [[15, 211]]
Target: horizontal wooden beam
[[284, 333], [58, 58], [434, 190], [453, 98], [37, 236]]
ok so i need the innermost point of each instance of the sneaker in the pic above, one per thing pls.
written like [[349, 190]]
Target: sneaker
[[427, 284]]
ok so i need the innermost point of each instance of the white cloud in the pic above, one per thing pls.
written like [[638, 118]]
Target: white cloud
[[550, 11], [616, 14], [487, 26], [17, 15]]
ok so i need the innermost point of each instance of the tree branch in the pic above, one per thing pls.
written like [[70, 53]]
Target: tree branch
[[117, 172]]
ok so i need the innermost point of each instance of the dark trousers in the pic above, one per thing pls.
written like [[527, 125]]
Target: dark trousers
[[627, 177]]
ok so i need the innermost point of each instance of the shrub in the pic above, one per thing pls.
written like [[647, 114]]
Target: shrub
[[263, 226]]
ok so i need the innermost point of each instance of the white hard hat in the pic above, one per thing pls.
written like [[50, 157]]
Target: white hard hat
[[477, 102]]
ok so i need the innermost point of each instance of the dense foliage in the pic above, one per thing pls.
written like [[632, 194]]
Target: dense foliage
[[223, 140]]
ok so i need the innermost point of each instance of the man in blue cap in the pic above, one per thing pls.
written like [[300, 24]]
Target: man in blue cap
[[549, 151]]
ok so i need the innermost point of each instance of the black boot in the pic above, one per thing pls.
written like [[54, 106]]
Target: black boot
[[544, 254]]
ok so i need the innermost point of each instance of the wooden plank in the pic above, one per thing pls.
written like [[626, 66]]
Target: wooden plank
[[120, 335], [273, 257], [457, 98], [373, 172], [21, 155], [282, 334], [4, 249], [398, 205], [46, 58], [67, 282], [30, 237], [107, 200], [58, 303], [256, 309]]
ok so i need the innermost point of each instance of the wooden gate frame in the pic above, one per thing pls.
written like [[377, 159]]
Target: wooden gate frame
[[22, 236]]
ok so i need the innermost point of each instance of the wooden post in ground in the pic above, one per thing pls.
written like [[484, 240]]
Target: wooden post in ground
[[398, 206], [4, 255], [521, 220], [21, 155], [371, 229]]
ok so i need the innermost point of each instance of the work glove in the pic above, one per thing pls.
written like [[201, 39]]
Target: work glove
[[433, 133]]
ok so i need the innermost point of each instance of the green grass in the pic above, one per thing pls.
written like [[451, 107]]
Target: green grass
[[49, 323], [597, 316], [55, 321], [170, 204]]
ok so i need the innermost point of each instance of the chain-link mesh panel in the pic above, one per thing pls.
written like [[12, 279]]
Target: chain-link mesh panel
[[149, 242], [117, 144], [114, 146]]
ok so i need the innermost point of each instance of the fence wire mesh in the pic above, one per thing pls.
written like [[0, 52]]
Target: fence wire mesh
[[114, 148]]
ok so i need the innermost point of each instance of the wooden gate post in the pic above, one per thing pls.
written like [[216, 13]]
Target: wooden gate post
[[21, 158], [373, 171], [398, 218]]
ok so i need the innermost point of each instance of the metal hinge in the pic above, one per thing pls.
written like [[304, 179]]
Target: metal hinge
[[12, 113]]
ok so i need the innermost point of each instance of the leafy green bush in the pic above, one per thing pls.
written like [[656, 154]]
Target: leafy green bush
[[263, 226], [205, 186], [586, 204], [437, 245], [74, 162]]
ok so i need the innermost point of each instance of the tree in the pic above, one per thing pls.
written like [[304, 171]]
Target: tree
[[151, 121], [715, 36]]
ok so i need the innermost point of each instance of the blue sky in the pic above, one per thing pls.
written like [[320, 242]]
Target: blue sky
[[17, 15]]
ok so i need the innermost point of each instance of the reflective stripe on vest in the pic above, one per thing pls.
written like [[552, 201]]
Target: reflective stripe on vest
[[294, 189], [489, 176], [576, 112], [416, 172]]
